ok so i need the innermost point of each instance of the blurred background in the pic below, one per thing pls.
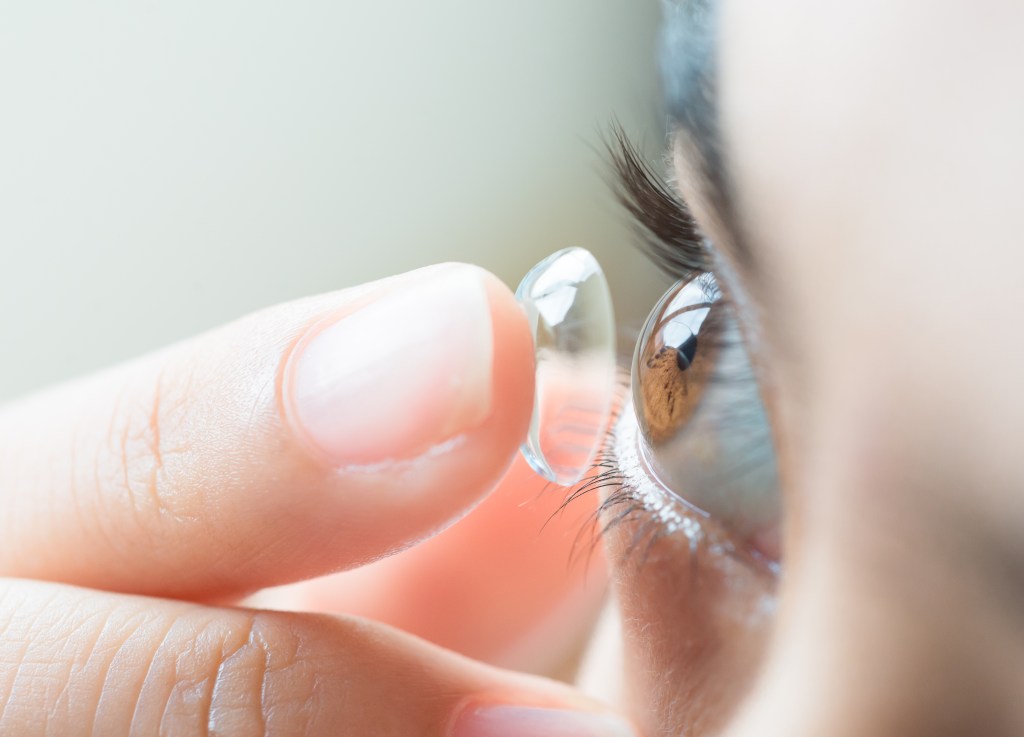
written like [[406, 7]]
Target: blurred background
[[166, 167]]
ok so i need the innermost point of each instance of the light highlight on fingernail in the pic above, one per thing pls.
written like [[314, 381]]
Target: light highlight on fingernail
[[400, 375], [505, 720]]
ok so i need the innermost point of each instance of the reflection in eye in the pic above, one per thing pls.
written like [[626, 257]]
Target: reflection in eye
[[704, 435]]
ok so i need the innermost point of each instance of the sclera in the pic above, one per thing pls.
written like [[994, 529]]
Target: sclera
[[569, 306]]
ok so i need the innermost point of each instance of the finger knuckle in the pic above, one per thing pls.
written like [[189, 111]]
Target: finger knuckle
[[265, 683], [243, 674], [71, 665]]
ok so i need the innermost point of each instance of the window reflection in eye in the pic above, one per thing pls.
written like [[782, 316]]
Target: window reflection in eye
[[703, 432]]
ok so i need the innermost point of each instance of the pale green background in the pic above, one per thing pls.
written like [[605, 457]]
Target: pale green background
[[168, 166]]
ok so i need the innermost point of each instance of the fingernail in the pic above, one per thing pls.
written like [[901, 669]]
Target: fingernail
[[400, 375], [516, 721]]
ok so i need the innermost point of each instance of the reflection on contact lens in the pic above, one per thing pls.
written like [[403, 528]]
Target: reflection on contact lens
[[569, 307]]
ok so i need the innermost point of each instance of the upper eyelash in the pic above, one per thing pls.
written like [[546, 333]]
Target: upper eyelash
[[671, 237], [668, 231]]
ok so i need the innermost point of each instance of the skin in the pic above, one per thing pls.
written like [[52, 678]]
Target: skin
[[865, 191], [873, 156], [147, 499]]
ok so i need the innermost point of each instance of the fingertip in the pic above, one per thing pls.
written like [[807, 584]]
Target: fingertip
[[307, 438], [407, 445], [434, 356], [410, 369], [514, 367]]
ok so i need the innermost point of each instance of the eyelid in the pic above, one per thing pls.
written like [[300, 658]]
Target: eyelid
[[671, 236], [630, 493]]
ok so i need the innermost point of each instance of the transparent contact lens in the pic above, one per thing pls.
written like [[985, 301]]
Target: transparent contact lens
[[567, 301]]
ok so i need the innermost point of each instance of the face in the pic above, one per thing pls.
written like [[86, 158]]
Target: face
[[856, 564]]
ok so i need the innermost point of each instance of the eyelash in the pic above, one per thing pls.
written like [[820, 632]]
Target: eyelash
[[670, 236], [666, 228], [659, 513]]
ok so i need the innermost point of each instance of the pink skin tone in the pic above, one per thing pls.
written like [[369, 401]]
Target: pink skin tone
[[206, 472]]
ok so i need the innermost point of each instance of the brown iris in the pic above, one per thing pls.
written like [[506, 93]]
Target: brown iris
[[676, 357]]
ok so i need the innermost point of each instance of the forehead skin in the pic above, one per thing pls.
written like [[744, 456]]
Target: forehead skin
[[875, 160]]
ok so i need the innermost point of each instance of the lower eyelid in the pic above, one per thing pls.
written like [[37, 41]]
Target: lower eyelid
[[670, 513], [656, 500], [629, 490]]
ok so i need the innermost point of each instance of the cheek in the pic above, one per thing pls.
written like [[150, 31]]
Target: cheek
[[876, 164], [695, 625], [874, 152]]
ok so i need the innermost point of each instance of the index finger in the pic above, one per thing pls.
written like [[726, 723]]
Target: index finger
[[310, 437]]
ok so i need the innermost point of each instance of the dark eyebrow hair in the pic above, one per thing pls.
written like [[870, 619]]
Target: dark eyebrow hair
[[689, 69]]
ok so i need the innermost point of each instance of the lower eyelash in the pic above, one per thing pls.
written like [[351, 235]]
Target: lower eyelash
[[634, 494], [665, 514], [669, 512]]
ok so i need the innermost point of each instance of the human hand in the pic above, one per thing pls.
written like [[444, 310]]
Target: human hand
[[308, 438]]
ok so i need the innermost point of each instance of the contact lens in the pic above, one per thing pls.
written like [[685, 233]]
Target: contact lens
[[569, 307]]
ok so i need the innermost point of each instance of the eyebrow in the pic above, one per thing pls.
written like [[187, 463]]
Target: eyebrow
[[689, 73], [689, 69]]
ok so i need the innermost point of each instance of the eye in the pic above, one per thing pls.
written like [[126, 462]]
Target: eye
[[704, 436]]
